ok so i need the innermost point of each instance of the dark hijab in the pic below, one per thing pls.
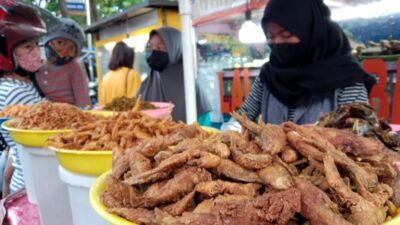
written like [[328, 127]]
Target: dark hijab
[[321, 62], [168, 85]]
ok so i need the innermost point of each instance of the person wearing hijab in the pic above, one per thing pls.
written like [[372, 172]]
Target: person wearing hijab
[[62, 78], [165, 82], [311, 69]]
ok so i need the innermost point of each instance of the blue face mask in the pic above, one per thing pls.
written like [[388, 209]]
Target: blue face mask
[[157, 60]]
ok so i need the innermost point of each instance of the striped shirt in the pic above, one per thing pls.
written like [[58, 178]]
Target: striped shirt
[[16, 92], [346, 95], [66, 84]]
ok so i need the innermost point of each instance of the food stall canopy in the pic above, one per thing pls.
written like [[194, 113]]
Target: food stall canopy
[[142, 8], [201, 8]]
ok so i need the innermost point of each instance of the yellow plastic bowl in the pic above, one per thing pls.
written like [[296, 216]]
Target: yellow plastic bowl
[[211, 130], [394, 221], [95, 192], [93, 163], [31, 138], [102, 113], [100, 185]]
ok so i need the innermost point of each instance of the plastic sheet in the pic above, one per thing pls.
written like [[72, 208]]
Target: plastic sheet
[[21, 212]]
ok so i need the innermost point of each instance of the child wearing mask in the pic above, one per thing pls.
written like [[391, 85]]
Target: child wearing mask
[[62, 77], [20, 27]]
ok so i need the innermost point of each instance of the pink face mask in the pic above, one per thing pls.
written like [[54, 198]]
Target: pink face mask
[[30, 62]]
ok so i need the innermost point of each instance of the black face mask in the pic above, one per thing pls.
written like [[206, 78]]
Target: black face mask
[[157, 60], [24, 73], [52, 56], [288, 55]]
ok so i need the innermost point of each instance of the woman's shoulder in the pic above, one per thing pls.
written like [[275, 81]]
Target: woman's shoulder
[[352, 93], [17, 92], [133, 72], [354, 88], [9, 84]]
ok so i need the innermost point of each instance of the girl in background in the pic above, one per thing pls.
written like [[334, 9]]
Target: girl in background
[[122, 80]]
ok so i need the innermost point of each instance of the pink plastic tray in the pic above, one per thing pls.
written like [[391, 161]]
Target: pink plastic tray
[[163, 110], [21, 212], [395, 127]]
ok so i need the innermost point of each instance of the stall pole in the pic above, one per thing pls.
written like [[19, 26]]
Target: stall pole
[[185, 10], [89, 40]]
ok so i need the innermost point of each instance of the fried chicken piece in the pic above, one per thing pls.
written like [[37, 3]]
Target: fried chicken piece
[[151, 147], [161, 156], [204, 207], [271, 138], [181, 184], [186, 144], [384, 168], [227, 136], [214, 188], [396, 191], [149, 179], [316, 206], [311, 145], [164, 168], [163, 218], [249, 160], [177, 208], [120, 166], [289, 155], [250, 147], [206, 161], [276, 176], [189, 131], [118, 194], [138, 163], [220, 149], [270, 208], [139, 216], [363, 212], [379, 197], [207, 205], [291, 168], [236, 172], [348, 142]]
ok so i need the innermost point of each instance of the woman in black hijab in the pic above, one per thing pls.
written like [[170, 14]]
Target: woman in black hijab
[[311, 69]]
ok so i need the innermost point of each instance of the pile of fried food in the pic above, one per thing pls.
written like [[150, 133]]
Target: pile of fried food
[[362, 120], [14, 110], [267, 174], [122, 104], [124, 130], [50, 116]]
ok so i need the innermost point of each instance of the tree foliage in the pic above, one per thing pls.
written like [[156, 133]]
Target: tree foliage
[[109, 7], [102, 9]]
